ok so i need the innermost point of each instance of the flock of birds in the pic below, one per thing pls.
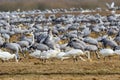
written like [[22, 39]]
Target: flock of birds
[[62, 37]]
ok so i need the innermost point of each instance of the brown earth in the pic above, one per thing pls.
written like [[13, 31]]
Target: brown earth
[[34, 69]]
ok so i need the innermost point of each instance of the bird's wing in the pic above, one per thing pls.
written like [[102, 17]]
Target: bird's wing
[[107, 5], [112, 5]]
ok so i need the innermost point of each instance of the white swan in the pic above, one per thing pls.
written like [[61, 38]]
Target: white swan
[[77, 53], [107, 52], [49, 54], [36, 54], [5, 56], [62, 56]]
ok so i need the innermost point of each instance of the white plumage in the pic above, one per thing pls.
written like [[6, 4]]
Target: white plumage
[[5, 56], [117, 52], [106, 52], [75, 53], [36, 54], [110, 6], [49, 54], [62, 56]]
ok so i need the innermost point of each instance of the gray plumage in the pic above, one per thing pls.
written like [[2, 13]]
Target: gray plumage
[[110, 43], [14, 47], [91, 40]]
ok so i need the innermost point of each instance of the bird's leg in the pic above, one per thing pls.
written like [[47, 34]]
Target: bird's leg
[[41, 59], [89, 56], [44, 60], [109, 57], [74, 58], [82, 58], [97, 55], [62, 59], [6, 60], [93, 55], [2, 61], [16, 58], [104, 59], [51, 59], [87, 53], [24, 53]]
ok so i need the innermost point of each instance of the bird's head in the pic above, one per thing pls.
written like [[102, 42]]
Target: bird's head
[[4, 44]]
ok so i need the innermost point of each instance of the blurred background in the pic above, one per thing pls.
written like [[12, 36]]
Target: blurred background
[[10, 5]]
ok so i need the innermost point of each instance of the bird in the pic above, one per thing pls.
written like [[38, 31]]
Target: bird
[[49, 41], [62, 56], [32, 41], [93, 49], [117, 52], [107, 42], [5, 56], [91, 40], [40, 38], [116, 48], [2, 40], [24, 44], [77, 44], [111, 6], [14, 47], [36, 54], [107, 52], [86, 32], [75, 53], [27, 41], [6, 37], [117, 39], [49, 54]]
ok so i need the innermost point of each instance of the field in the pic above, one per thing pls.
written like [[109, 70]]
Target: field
[[11, 5], [34, 69]]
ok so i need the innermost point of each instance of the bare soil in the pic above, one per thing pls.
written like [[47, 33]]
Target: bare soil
[[34, 69]]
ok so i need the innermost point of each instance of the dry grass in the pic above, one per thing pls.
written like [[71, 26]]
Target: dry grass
[[34, 69], [62, 77], [43, 4]]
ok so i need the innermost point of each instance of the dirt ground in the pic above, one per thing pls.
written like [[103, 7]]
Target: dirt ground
[[34, 69]]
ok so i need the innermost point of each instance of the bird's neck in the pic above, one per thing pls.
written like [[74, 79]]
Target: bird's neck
[[33, 40], [88, 54]]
